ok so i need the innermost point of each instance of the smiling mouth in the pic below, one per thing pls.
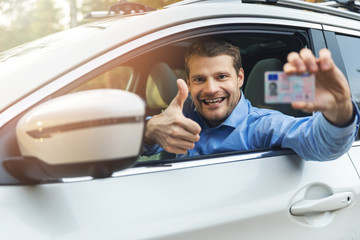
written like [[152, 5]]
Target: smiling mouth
[[213, 100]]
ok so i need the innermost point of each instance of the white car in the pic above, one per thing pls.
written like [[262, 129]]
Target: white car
[[72, 109]]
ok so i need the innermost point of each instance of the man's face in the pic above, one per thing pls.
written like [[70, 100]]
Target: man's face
[[214, 86]]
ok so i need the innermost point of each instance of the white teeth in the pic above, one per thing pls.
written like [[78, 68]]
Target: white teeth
[[215, 100]]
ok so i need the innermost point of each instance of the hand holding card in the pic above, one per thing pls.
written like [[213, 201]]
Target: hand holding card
[[333, 97], [283, 88]]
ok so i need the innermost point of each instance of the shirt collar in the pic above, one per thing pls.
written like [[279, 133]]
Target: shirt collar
[[238, 114]]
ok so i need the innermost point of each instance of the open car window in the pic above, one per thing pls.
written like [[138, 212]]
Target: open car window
[[153, 74]]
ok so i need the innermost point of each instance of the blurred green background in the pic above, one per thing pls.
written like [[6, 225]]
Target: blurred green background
[[24, 20]]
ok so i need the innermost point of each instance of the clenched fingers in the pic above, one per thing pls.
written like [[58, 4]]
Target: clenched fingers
[[301, 62], [178, 146], [190, 125], [294, 64], [325, 60], [179, 132], [309, 60]]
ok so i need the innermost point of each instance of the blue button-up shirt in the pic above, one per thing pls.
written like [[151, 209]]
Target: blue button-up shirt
[[248, 127]]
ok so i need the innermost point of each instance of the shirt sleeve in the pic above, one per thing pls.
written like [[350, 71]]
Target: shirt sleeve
[[312, 138], [149, 150]]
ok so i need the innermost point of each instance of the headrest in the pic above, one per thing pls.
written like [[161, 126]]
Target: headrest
[[254, 88], [165, 80]]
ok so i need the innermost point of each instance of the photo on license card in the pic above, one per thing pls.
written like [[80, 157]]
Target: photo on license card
[[280, 87]]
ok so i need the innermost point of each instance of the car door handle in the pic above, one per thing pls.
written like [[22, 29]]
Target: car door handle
[[327, 204]]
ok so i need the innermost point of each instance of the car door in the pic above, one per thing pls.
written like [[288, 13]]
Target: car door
[[341, 41], [272, 194]]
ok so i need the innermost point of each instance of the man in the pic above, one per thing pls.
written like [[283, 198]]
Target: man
[[220, 119]]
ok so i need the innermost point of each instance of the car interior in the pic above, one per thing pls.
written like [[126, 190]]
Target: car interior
[[153, 74]]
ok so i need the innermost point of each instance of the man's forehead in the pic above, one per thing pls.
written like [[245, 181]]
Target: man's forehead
[[220, 63], [210, 57]]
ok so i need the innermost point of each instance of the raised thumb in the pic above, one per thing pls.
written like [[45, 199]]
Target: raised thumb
[[182, 94]]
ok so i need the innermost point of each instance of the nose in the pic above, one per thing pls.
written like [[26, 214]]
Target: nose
[[211, 86]]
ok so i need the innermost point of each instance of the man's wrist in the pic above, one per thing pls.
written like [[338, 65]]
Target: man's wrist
[[147, 136], [343, 116]]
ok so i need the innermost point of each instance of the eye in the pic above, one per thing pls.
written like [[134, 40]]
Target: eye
[[198, 80], [222, 77]]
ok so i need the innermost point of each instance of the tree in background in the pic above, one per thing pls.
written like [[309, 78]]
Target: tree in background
[[45, 18], [73, 13], [32, 19], [28, 21], [9, 9]]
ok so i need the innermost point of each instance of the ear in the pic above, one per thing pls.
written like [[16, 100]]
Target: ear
[[241, 77]]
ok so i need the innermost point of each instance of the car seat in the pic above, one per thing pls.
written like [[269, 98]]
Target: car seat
[[161, 87], [254, 88]]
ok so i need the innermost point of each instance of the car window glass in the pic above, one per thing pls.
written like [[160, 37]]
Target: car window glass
[[351, 56], [119, 78]]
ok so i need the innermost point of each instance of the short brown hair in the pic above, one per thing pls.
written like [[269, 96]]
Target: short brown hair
[[212, 47]]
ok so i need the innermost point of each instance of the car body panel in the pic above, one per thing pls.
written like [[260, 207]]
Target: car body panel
[[220, 200], [355, 156]]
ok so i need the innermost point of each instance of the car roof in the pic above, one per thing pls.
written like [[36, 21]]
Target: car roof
[[32, 65]]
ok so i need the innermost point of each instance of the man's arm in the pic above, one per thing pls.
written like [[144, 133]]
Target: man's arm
[[329, 134], [171, 129], [333, 96], [312, 138]]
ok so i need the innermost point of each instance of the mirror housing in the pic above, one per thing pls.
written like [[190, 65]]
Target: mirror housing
[[90, 133]]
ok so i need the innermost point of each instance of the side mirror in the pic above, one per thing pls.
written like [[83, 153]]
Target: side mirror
[[91, 133]]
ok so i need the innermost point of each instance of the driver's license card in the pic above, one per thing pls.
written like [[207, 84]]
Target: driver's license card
[[283, 88]]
